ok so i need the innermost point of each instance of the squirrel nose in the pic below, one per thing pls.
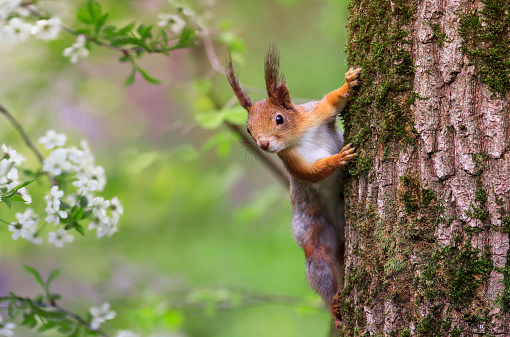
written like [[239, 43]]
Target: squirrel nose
[[264, 144]]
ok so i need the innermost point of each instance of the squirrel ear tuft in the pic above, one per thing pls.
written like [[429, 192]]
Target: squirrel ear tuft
[[277, 90], [241, 95]]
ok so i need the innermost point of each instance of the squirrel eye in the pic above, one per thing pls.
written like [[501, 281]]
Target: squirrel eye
[[279, 119], [248, 130]]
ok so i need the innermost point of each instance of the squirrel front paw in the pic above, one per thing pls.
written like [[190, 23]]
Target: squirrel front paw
[[352, 79], [346, 154]]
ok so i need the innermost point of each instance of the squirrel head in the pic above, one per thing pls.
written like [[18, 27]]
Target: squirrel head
[[272, 122]]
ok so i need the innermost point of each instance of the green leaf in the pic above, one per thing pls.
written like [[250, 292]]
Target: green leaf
[[86, 214], [236, 115], [95, 11], [222, 141], [164, 37], [210, 120], [100, 23], [48, 325], [65, 329], [186, 39], [24, 184], [29, 320], [110, 30], [76, 332], [147, 77], [14, 190], [131, 78], [213, 119], [18, 198], [144, 31], [84, 16], [55, 316], [8, 201], [126, 29], [78, 214], [80, 229], [119, 41], [51, 277], [10, 309], [35, 274]]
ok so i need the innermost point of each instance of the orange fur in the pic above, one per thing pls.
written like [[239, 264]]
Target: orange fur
[[317, 171]]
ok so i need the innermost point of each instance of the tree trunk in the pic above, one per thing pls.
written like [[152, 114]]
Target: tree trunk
[[428, 200]]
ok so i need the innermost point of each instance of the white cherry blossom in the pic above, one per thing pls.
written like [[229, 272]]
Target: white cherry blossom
[[53, 139], [116, 206], [7, 6], [78, 50], [13, 156], [15, 31], [99, 205], [175, 23], [54, 215], [59, 237], [85, 184], [100, 315], [57, 162], [53, 198], [47, 29], [25, 226]]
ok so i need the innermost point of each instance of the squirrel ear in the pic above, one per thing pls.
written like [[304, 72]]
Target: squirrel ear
[[241, 95], [277, 90]]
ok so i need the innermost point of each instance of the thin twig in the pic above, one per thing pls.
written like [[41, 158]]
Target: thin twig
[[27, 139], [248, 302], [57, 307], [211, 54], [77, 318]]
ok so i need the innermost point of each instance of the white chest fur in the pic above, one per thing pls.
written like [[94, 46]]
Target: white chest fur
[[318, 142]]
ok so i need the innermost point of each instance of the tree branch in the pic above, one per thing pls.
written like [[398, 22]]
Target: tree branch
[[58, 308], [27, 139]]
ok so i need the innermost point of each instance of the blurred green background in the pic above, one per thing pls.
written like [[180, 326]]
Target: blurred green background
[[205, 228]]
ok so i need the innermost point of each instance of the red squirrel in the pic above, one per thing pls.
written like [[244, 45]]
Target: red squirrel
[[306, 139]]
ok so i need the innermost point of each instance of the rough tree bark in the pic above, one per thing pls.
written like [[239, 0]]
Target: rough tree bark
[[428, 200]]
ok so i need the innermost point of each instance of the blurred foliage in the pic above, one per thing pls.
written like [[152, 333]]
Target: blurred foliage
[[204, 224]]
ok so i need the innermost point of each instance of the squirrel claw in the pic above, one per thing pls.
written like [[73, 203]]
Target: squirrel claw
[[346, 154], [352, 78], [335, 310]]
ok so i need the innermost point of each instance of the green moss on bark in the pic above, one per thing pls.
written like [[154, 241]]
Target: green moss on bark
[[379, 44], [486, 42], [438, 33]]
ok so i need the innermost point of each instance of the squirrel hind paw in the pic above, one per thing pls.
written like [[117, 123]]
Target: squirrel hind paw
[[337, 316], [336, 311]]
